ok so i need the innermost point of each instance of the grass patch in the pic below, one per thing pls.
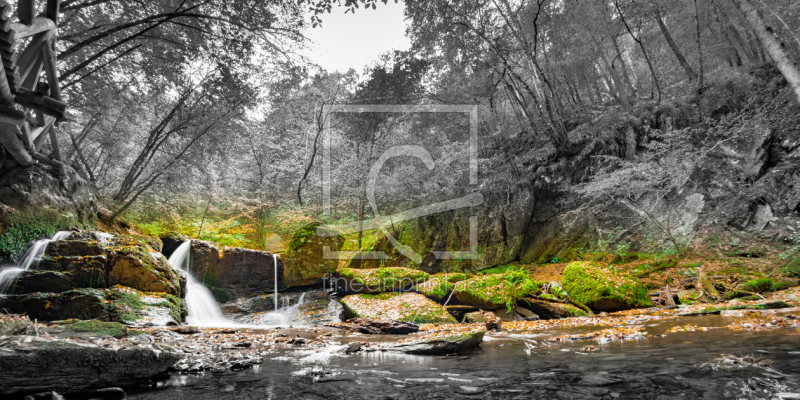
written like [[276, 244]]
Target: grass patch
[[101, 328]]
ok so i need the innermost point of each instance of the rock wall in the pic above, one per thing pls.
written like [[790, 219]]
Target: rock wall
[[234, 272]]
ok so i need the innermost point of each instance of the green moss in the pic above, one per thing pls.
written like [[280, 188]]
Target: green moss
[[25, 227], [101, 328], [439, 285], [588, 282], [176, 305], [764, 285], [498, 290], [384, 279], [299, 237], [124, 304]]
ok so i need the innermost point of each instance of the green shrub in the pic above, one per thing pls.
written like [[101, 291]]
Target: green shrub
[[25, 227]]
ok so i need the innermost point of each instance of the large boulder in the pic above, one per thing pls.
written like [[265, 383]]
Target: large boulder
[[377, 280], [304, 261], [42, 365], [441, 345], [142, 268], [79, 303], [234, 272], [496, 291], [406, 307], [603, 289]]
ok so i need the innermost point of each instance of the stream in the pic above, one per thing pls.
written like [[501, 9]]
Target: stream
[[515, 365]]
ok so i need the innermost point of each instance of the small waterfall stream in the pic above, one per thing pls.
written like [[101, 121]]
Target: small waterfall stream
[[203, 308], [31, 257]]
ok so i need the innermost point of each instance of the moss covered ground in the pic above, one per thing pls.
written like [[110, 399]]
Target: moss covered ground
[[589, 282]]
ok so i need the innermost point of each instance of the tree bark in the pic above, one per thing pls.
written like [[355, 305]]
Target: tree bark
[[618, 85], [772, 45], [672, 45]]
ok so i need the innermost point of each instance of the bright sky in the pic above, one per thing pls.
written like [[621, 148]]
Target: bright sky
[[350, 40]]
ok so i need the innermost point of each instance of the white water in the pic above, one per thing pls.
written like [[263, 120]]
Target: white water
[[203, 308], [275, 269], [31, 257], [283, 316]]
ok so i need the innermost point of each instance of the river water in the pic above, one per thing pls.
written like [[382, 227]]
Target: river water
[[518, 366]]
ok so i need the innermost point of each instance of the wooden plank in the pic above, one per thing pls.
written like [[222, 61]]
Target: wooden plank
[[19, 31], [53, 10], [9, 56], [57, 150], [32, 53], [26, 11], [50, 69], [6, 98], [40, 102], [32, 79]]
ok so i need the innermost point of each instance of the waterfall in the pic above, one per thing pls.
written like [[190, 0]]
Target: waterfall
[[31, 257], [275, 269], [285, 315], [203, 308]]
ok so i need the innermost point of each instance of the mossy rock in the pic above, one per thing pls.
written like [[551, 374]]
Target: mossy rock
[[406, 307], [78, 303], [132, 306], [74, 248], [438, 286], [762, 285], [378, 280], [71, 264], [304, 262], [495, 291], [792, 268], [143, 269], [139, 241], [603, 289], [55, 282], [99, 328]]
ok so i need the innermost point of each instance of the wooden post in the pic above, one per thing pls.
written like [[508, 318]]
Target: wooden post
[[57, 151], [51, 71], [32, 79], [20, 31], [33, 52], [6, 98], [53, 9], [26, 11]]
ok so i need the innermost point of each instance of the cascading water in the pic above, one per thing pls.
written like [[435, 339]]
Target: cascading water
[[275, 269], [283, 316], [203, 309], [31, 257]]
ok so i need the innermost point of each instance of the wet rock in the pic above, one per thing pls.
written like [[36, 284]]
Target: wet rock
[[442, 345], [187, 330], [171, 242], [83, 304], [297, 341], [353, 348], [42, 281], [235, 272], [67, 367], [379, 327], [405, 307], [74, 248], [41, 185], [244, 344], [45, 396], [551, 310], [111, 393], [303, 263], [508, 316], [492, 321]]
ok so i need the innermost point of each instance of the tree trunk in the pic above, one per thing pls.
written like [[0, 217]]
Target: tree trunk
[[699, 49], [625, 75], [672, 45], [772, 45], [618, 85]]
